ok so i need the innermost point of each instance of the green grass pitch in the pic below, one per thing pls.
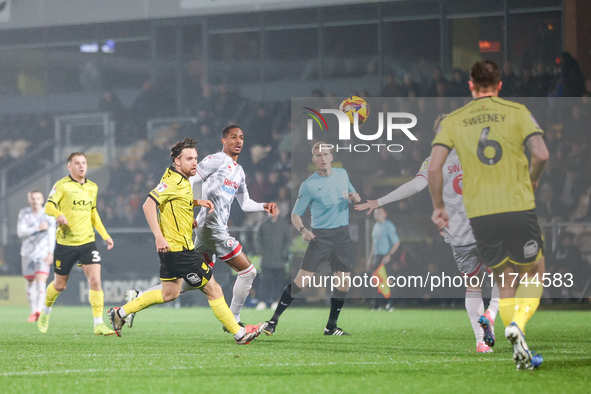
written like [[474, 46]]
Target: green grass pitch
[[185, 351]]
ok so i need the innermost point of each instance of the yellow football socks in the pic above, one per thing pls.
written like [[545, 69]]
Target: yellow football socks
[[224, 314], [144, 301], [51, 295], [527, 300], [507, 310], [97, 301]]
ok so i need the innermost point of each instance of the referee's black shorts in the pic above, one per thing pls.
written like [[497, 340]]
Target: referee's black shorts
[[333, 245], [514, 236], [187, 264]]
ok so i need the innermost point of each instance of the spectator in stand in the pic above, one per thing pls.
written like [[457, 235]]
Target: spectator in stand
[[260, 128], [572, 188], [510, 81], [390, 89], [567, 259], [553, 176], [544, 203], [283, 203], [145, 106], [432, 89], [576, 158], [459, 85], [573, 83], [274, 186], [387, 164], [542, 81], [259, 188], [409, 87], [120, 178], [527, 87], [110, 103], [274, 239], [208, 143], [575, 127], [225, 102]]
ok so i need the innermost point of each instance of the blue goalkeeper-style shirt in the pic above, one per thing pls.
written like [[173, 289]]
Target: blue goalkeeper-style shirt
[[328, 198]]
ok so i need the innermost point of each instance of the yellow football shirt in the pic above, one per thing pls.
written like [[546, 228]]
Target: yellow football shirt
[[174, 197], [489, 135], [76, 201]]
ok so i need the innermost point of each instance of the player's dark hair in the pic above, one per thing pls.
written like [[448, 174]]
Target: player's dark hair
[[74, 154], [177, 148], [227, 129], [35, 191], [485, 74]]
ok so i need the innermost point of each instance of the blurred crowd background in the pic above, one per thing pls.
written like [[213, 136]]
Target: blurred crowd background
[[160, 80]]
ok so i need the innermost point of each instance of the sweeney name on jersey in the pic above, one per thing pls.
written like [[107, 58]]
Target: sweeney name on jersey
[[222, 179], [459, 232]]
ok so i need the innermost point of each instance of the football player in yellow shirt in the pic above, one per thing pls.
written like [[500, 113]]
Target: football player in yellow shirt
[[489, 135], [169, 212], [72, 202]]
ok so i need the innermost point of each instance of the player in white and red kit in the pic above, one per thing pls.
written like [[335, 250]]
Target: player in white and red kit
[[37, 233], [223, 180], [459, 236]]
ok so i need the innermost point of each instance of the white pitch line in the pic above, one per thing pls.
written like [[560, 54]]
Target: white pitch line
[[392, 362]]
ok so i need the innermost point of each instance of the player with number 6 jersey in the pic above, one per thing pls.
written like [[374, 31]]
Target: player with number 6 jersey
[[489, 135], [459, 235]]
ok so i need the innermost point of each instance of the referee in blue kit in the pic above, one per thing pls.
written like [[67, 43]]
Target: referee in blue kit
[[328, 192]]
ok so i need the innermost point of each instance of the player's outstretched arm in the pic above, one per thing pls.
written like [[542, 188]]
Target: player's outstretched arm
[[438, 155], [270, 207], [150, 210], [247, 204], [539, 157], [406, 190]]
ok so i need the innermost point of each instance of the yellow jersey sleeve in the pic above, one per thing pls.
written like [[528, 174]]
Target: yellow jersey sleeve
[[445, 136], [55, 195], [52, 210], [528, 125], [163, 192], [97, 223]]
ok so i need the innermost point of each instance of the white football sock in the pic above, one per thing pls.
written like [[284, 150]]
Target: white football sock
[[475, 309], [240, 333], [98, 320], [41, 294], [241, 289], [493, 305], [32, 295], [157, 287]]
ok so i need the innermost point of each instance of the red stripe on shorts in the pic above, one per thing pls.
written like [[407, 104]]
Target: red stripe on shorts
[[232, 253]]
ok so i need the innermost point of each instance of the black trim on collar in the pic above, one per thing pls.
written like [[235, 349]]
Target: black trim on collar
[[74, 180], [483, 97], [171, 168]]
